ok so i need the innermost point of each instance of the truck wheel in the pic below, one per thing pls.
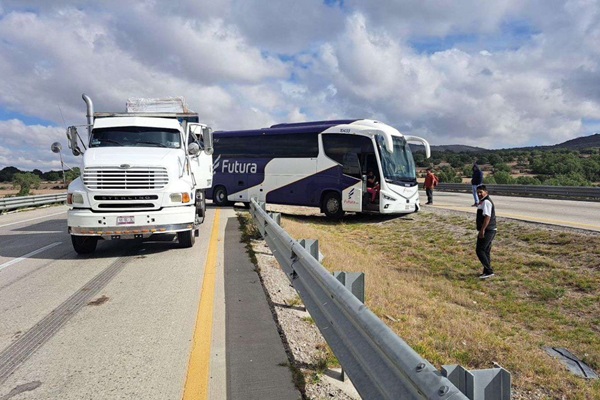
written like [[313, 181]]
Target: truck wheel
[[84, 244], [200, 211], [220, 196], [332, 205], [186, 238]]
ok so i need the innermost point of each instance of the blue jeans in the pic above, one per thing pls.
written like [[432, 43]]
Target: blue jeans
[[475, 194]]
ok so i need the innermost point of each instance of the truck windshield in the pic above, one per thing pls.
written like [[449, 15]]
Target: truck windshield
[[135, 136], [399, 166]]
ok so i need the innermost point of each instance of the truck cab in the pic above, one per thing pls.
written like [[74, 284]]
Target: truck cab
[[144, 172]]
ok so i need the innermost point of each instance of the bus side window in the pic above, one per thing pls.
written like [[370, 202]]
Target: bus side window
[[351, 164]]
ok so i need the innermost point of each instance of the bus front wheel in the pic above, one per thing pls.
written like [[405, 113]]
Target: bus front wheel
[[332, 205], [220, 196]]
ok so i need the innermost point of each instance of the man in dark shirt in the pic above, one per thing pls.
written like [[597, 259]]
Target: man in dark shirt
[[476, 180], [486, 230]]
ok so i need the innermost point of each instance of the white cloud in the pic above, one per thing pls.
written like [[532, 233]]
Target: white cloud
[[493, 74]]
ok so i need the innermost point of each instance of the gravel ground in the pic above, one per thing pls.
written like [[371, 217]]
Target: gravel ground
[[302, 340]]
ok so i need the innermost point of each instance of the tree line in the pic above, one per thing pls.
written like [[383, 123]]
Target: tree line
[[32, 180], [559, 167]]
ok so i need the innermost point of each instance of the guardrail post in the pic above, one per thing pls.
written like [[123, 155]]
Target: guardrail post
[[480, 384], [355, 283], [312, 246], [276, 217]]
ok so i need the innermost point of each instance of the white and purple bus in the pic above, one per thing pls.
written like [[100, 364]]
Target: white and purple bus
[[318, 164]]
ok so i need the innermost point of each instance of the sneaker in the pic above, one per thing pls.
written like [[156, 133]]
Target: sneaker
[[485, 275], [429, 202], [474, 205]]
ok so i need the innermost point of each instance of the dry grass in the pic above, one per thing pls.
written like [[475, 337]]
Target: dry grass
[[422, 272]]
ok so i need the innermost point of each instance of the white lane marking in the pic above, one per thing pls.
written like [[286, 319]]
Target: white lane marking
[[33, 253], [31, 219]]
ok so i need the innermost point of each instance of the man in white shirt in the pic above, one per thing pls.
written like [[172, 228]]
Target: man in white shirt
[[486, 228]]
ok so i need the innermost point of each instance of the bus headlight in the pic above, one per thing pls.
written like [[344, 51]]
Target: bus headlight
[[387, 197]]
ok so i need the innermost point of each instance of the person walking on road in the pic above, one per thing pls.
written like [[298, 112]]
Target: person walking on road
[[486, 231], [431, 182], [476, 180]]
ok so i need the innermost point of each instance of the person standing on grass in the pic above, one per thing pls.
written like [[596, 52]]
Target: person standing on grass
[[476, 180], [486, 231], [431, 181]]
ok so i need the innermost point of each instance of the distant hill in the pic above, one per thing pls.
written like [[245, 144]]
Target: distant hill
[[580, 143], [457, 148], [584, 142]]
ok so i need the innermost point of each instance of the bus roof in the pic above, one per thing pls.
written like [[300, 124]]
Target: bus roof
[[296, 127], [315, 123]]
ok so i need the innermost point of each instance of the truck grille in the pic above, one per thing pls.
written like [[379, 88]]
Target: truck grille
[[101, 178]]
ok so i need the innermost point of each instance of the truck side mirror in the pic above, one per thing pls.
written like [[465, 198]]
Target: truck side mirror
[[193, 149], [208, 140], [72, 140], [204, 134]]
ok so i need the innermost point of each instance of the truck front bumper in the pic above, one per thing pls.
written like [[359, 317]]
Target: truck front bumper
[[129, 225]]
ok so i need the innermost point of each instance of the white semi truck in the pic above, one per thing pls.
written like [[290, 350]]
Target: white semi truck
[[144, 172]]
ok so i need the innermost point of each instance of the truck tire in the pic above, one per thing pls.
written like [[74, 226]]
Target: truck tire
[[200, 210], [186, 238], [220, 196], [332, 205], [84, 244]]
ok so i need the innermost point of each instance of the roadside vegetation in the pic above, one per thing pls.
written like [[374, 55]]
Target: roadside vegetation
[[23, 183], [421, 280], [558, 167]]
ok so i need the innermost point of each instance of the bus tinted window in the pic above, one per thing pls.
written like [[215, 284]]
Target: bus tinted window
[[337, 146], [293, 145]]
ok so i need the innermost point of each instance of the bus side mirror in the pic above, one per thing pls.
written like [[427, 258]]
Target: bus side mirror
[[72, 140]]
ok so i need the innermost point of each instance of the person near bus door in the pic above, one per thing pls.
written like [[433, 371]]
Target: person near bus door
[[372, 185], [476, 180], [486, 230], [431, 182]]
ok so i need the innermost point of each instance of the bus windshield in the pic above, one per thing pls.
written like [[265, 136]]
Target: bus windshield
[[135, 136], [399, 166]]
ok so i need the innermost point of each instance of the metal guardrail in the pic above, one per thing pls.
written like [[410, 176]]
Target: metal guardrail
[[379, 363], [13, 203], [589, 193]]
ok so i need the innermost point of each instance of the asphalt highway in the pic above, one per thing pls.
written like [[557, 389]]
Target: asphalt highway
[[570, 213], [150, 320], [134, 320]]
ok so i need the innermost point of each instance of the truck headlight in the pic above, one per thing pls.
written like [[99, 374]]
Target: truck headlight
[[74, 198], [180, 197]]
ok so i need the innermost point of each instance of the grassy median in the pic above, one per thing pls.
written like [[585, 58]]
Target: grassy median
[[421, 280]]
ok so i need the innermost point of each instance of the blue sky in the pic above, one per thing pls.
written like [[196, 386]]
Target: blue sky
[[495, 74]]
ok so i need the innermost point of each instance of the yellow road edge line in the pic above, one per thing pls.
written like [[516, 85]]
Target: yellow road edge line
[[198, 375]]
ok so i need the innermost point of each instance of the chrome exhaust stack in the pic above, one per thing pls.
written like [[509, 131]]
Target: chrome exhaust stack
[[90, 112]]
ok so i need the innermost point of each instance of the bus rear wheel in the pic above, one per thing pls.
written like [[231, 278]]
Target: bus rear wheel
[[332, 205], [220, 196]]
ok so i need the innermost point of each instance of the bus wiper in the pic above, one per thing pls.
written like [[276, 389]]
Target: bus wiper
[[154, 143]]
